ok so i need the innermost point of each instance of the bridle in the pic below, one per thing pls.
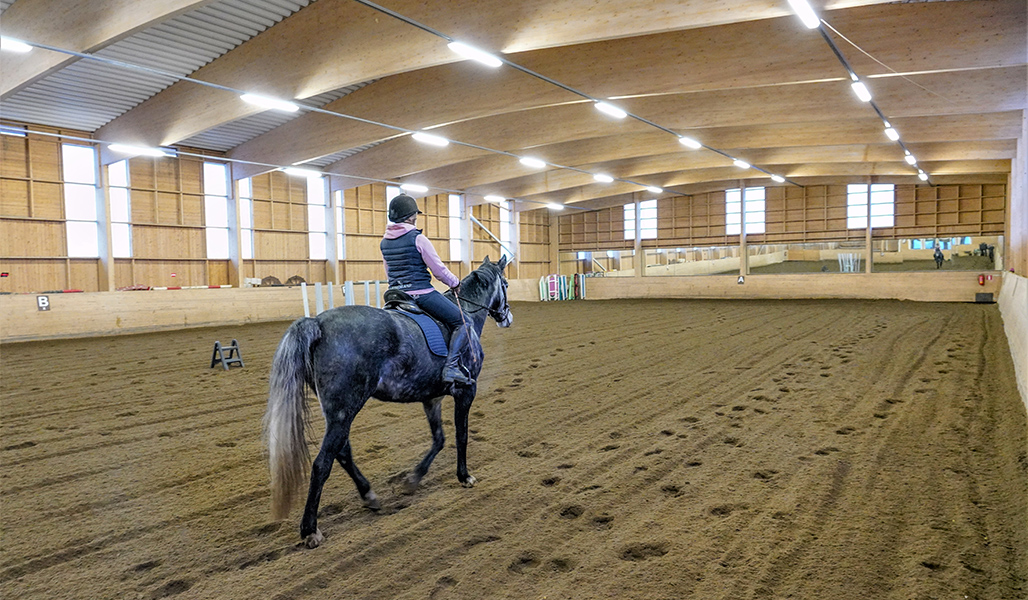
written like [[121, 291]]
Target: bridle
[[497, 315]]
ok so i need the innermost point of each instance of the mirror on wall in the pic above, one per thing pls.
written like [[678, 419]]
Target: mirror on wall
[[959, 253], [599, 263], [680, 262]]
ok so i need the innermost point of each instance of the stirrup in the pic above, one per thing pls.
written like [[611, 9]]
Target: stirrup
[[456, 375]]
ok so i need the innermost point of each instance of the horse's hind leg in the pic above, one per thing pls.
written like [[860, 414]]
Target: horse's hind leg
[[345, 458], [433, 411], [336, 436]]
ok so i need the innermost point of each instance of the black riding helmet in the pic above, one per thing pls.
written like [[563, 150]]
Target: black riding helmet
[[402, 207]]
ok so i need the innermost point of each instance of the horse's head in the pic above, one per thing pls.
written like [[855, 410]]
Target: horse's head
[[495, 298]]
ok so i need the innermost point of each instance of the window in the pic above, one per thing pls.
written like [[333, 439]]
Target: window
[[647, 220], [121, 214], [245, 187], [317, 236], [882, 205], [754, 211], [456, 245], [80, 214], [916, 244], [215, 209]]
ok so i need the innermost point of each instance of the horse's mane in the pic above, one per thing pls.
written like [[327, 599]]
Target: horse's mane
[[477, 283]]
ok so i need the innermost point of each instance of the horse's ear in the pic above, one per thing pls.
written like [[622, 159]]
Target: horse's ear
[[486, 261], [502, 263]]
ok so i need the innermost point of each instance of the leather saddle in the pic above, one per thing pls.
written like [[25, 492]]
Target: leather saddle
[[437, 334], [400, 300]]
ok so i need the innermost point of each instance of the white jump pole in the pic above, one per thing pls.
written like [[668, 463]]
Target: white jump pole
[[306, 308], [318, 298], [348, 293], [331, 296]]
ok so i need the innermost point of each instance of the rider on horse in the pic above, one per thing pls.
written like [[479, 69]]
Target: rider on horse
[[409, 256]]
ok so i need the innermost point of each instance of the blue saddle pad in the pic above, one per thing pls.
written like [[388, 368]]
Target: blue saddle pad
[[431, 329]]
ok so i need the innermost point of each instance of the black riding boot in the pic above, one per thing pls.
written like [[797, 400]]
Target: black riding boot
[[454, 371]]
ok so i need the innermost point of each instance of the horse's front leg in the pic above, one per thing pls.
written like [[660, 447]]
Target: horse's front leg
[[463, 396], [433, 412]]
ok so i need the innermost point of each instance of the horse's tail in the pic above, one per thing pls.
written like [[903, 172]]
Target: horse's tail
[[287, 414]]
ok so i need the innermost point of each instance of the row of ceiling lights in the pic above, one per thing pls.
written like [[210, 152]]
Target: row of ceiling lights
[[810, 19], [802, 9]]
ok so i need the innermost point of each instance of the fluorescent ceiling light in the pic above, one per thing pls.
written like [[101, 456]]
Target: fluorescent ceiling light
[[535, 163], [603, 177], [654, 189], [555, 206], [892, 134], [861, 91], [295, 172], [495, 198], [778, 178], [741, 164], [265, 102], [610, 109], [474, 54], [805, 13], [138, 150], [12, 45], [689, 142], [910, 159], [922, 176], [432, 140], [414, 187]]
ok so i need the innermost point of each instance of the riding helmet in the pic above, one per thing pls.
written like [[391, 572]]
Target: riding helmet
[[402, 207]]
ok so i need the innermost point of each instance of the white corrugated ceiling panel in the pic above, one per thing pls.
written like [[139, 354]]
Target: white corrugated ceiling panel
[[90, 93], [230, 135]]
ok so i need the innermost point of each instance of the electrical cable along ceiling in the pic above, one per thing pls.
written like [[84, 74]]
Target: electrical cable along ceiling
[[658, 98]]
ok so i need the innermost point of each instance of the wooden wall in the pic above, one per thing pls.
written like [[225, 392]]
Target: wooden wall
[[534, 246], [280, 246], [796, 215], [33, 242]]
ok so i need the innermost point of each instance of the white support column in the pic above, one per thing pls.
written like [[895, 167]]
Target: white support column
[[868, 252], [105, 263], [466, 239], [744, 259], [235, 235], [640, 258]]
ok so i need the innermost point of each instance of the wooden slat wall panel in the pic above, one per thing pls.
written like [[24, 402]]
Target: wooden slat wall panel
[[534, 244], [594, 230], [34, 275], [33, 246]]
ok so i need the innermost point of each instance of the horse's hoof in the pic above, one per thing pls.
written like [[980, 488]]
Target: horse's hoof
[[314, 540], [371, 502], [410, 484], [469, 482]]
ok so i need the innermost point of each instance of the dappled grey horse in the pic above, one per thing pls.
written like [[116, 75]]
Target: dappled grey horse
[[349, 354]]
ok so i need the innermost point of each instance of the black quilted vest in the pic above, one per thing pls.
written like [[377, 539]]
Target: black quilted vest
[[405, 268]]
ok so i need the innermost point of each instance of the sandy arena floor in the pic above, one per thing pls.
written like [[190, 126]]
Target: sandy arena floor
[[636, 449]]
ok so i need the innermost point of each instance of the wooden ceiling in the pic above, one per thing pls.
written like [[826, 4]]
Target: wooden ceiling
[[743, 76]]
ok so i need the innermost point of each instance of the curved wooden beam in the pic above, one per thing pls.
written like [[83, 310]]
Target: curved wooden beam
[[79, 25], [991, 90], [715, 58]]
